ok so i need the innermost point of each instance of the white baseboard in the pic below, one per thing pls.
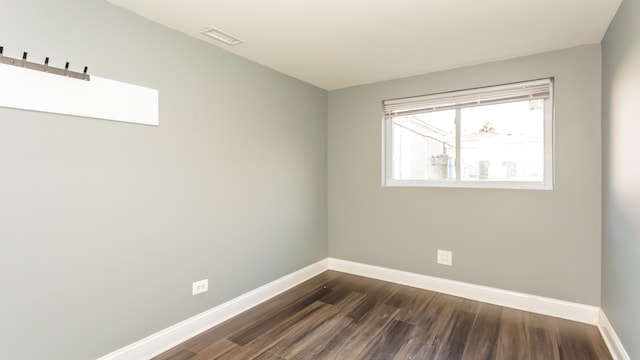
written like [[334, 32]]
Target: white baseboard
[[178, 333], [537, 304], [611, 339]]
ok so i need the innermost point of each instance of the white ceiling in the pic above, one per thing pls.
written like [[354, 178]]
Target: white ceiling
[[339, 43]]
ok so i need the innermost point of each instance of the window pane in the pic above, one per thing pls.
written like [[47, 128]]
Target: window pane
[[503, 142], [491, 137], [424, 146]]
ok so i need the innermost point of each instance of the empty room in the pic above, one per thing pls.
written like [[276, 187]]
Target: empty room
[[319, 180]]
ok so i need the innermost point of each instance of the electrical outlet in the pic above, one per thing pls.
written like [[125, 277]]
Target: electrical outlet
[[445, 257], [200, 287]]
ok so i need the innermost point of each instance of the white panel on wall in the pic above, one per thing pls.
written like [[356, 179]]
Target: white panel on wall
[[99, 98]]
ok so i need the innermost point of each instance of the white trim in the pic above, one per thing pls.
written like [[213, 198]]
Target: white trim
[[537, 304], [470, 184], [178, 333], [611, 339]]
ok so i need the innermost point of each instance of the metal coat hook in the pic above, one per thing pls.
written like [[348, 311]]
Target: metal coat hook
[[43, 67]]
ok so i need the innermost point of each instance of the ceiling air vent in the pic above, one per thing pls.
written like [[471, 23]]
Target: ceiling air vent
[[221, 36]]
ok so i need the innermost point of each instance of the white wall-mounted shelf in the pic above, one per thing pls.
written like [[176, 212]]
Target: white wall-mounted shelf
[[99, 98]]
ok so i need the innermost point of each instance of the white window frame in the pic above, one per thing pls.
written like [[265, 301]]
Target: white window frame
[[436, 102]]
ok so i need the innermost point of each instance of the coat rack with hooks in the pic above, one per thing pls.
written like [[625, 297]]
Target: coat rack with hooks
[[43, 67], [90, 97]]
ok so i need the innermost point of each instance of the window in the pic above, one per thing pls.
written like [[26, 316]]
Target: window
[[493, 137]]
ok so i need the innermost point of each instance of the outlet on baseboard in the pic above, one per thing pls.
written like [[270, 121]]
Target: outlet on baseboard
[[445, 257], [200, 287]]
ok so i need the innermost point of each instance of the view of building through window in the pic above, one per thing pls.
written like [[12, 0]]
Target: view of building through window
[[497, 142]]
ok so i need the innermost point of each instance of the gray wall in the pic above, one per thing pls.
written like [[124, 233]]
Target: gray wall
[[540, 242], [621, 175], [105, 225]]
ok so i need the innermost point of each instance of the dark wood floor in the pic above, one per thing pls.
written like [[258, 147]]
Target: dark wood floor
[[341, 316]]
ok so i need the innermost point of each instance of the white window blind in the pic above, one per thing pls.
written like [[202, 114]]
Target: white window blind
[[531, 90]]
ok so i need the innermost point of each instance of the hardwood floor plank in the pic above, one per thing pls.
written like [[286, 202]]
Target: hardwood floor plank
[[312, 334], [368, 327], [388, 342], [341, 286], [349, 302], [454, 340], [544, 345], [363, 308], [262, 343], [177, 353], [338, 344], [250, 332], [268, 356], [543, 332], [216, 350], [318, 340], [594, 337], [447, 338], [578, 342], [514, 338], [433, 322], [412, 349], [412, 303], [483, 335]]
